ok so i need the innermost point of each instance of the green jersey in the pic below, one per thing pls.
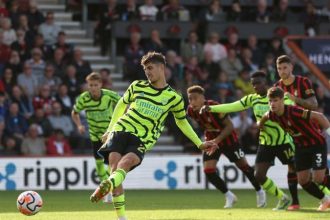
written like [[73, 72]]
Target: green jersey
[[272, 134], [148, 109], [98, 112]]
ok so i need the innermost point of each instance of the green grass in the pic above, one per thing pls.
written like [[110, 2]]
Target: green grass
[[158, 205]]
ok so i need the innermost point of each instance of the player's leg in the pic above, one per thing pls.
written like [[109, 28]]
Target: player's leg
[[264, 160], [285, 153], [100, 167], [212, 175]]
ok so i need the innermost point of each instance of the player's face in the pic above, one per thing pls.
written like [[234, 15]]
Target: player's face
[[284, 70], [259, 85], [94, 87], [153, 72], [196, 101], [276, 104]]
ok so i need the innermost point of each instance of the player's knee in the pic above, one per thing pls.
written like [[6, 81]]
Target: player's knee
[[210, 171], [303, 181]]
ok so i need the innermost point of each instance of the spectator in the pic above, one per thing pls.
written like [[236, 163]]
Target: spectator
[[242, 122], [257, 52], [24, 6], [27, 81], [14, 64], [324, 13], [2, 138], [60, 121], [82, 66], [210, 66], [3, 109], [223, 82], [39, 118], [4, 52], [21, 46], [261, 14], [64, 46], [276, 47], [23, 24], [15, 124], [44, 99], [102, 31], [269, 68], [148, 11], [8, 80], [297, 68], [106, 78], [231, 65], [11, 147], [191, 67], [281, 12], [133, 54], [14, 14], [213, 12], [155, 43], [175, 68], [71, 81], [243, 82], [35, 17], [217, 49], [9, 35], [49, 29], [310, 19], [233, 40], [192, 47], [235, 13], [130, 12], [247, 62], [50, 79], [37, 64], [59, 63], [24, 103], [32, 144], [174, 11], [222, 94], [3, 10], [57, 145]]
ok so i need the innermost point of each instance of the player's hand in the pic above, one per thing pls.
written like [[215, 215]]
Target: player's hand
[[105, 137], [81, 129], [290, 96], [260, 126], [209, 147], [204, 109]]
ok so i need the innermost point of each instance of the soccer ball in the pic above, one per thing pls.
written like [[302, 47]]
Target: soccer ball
[[29, 203]]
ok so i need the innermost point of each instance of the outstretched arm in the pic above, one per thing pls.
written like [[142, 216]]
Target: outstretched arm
[[263, 120], [185, 127], [321, 120], [224, 108], [309, 103], [229, 127]]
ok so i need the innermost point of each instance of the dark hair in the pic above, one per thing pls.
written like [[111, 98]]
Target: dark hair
[[259, 74], [153, 57], [283, 59], [196, 89], [275, 92], [58, 131], [94, 76], [105, 70]]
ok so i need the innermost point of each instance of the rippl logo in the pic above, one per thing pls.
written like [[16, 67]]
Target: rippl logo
[[10, 169], [161, 175]]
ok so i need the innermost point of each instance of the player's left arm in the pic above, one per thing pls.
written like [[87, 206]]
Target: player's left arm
[[227, 130]]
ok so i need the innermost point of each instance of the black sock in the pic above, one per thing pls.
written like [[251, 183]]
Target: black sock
[[214, 178], [313, 189], [293, 187], [326, 181], [249, 173]]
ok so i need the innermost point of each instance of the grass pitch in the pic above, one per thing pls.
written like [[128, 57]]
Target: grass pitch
[[159, 205]]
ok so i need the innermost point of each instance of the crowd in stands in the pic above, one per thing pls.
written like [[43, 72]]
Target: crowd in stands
[[41, 74]]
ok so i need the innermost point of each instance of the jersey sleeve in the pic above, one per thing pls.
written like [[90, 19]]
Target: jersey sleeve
[[307, 88], [115, 96], [246, 101], [79, 105], [178, 109], [128, 95], [301, 113]]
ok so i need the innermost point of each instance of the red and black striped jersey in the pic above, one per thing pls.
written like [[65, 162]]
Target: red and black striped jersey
[[296, 121], [301, 87], [212, 124]]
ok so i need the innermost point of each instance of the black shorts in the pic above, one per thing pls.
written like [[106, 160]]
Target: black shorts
[[123, 143], [96, 146], [314, 157], [233, 153], [267, 154]]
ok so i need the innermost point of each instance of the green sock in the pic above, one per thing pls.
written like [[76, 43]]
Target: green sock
[[117, 177], [101, 170], [119, 204], [324, 189], [270, 187]]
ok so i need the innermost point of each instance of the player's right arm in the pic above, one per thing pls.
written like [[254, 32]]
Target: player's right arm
[[78, 107], [237, 106], [227, 130]]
